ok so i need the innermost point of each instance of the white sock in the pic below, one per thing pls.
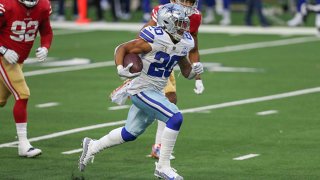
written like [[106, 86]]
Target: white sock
[[160, 128], [112, 139], [22, 135], [168, 141]]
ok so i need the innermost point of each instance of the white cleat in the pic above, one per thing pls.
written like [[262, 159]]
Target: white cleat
[[166, 173], [29, 152], [296, 20], [86, 155]]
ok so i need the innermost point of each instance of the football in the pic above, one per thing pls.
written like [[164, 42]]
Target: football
[[136, 60]]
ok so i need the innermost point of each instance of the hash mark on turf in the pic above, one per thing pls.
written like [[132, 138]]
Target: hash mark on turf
[[248, 156], [263, 113]]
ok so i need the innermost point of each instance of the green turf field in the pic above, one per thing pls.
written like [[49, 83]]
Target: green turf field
[[219, 125]]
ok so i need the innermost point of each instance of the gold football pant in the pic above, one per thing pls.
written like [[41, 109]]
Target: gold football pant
[[12, 81]]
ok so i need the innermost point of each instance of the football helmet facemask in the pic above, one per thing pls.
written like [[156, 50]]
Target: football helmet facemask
[[173, 19], [190, 6], [29, 3]]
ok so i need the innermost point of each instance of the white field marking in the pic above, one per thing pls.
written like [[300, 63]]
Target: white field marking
[[202, 52], [72, 151], [135, 27], [191, 110], [257, 45], [263, 113], [113, 108], [67, 69], [67, 132], [67, 32], [253, 100], [46, 105], [246, 157]]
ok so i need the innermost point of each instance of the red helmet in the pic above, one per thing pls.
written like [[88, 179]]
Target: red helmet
[[29, 3]]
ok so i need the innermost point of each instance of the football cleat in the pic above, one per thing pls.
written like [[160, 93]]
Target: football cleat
[[155, 152], [86, 155], [296, 20], [166, 173], [30, 152]]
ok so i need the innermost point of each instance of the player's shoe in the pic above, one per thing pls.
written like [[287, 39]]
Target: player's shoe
[[296, 20], [30, 152], [155, 152], [87, 154], [167, 173]]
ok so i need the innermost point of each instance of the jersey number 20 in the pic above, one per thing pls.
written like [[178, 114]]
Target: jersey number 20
[[164, 67]]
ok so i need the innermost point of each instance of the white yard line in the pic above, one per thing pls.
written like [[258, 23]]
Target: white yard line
[[72, 151], [246, 157], [202, 52], [254, 100], [191, 110], [264, 113], [257, 45], [46, 105], [135, 27], [67, 69], [113, 108]]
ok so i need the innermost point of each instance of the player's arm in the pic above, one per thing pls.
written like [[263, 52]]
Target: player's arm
[[194, 57], [137, 46], [186, 68], [46, 35], [9, 55]]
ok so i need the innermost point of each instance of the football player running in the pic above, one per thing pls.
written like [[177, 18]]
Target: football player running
[[20, 21], [190, 7], [161, 48]]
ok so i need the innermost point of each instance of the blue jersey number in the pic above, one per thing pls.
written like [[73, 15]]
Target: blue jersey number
[[164, 65]]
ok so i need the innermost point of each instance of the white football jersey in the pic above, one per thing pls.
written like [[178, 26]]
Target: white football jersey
[[160, 61]]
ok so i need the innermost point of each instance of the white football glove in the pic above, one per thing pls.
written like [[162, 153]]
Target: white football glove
[[199, 87], [41, 54], [11, 56], [197, 67], [124, 72]]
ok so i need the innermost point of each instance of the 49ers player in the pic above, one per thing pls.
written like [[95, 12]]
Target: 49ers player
[[195, 17], [20, 21]]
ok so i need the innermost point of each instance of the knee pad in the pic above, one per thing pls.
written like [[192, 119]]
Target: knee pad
[[126, 136], [175, 121]]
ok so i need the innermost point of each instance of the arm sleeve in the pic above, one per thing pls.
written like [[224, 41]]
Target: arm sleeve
[[46, 33]]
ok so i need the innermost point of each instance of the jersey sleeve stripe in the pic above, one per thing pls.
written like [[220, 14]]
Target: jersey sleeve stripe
[[148, 33], [145, 37]]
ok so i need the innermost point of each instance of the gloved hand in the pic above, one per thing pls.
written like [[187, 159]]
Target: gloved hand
[[11, 56], [199, 87], [197, 67], [41, 54], [124, 72]]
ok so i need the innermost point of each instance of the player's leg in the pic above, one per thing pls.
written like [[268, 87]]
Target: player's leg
[[4, 93], [157, 104], [317, 23], [13, 78], [226, 19], [137, 122], [300, 14], [209, 18], [170, 92]]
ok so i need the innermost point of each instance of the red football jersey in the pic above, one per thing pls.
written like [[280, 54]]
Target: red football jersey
[[195, 19], [19, 26]]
